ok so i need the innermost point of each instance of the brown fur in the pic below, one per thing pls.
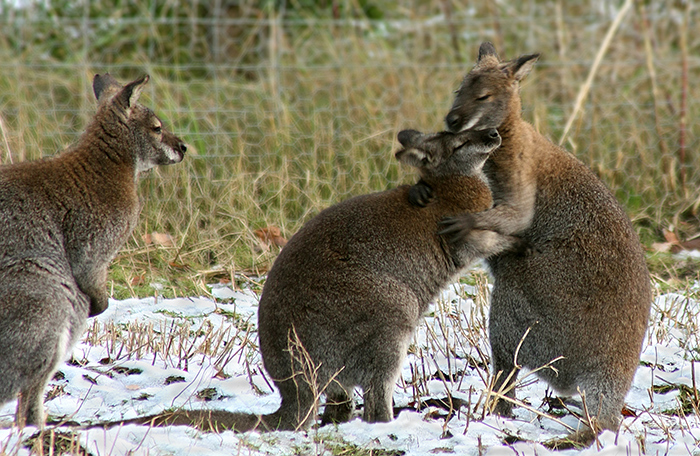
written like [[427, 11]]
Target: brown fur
[[586, 293]]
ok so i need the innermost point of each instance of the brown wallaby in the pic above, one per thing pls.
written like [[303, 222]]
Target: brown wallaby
[[62, 220], [344, 296], [585, 294]]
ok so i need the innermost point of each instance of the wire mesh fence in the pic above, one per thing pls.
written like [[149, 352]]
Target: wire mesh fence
[[292, 106]]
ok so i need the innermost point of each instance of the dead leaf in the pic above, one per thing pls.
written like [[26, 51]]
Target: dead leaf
[[176, 265], [670, 236], [675, 245], [138, 280], [161, 239], [270, 235]]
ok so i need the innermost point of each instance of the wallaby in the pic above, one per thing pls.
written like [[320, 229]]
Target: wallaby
[[62, 220], [585, 293], [345, 294]]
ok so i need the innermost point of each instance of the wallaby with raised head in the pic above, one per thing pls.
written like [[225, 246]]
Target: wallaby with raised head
[[344, 296], [62, 221], [585, 294]]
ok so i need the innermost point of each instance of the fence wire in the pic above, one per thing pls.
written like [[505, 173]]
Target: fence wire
[[292, 106]]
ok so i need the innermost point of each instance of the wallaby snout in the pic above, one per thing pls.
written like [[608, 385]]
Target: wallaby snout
[[453, 121], [406, 137]]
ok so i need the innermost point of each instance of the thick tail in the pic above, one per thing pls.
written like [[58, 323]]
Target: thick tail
[[204, 420]]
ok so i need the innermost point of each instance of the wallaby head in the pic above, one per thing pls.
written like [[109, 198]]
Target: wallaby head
[[488, 93], [443, 154], [150, 143]]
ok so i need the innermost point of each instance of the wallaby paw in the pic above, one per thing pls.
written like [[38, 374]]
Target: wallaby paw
[[420, 194], [525, 248], [457, 228]]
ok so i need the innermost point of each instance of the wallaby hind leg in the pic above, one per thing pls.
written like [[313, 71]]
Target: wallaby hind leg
[[506, 375], [603, 409], [378, 400], [339, 405], [30, 405], [299, 405]]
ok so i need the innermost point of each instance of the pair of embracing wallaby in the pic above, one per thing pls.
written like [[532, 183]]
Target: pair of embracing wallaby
[[352, 284], [344, 296], [62, 220]]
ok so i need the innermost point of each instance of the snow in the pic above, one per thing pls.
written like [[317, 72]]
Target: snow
[[143, 356]]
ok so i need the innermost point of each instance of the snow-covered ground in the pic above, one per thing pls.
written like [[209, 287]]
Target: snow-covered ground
[[143, 356]]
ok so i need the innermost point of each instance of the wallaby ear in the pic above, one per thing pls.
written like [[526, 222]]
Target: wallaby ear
[[131, 92], [104, 86], [520, 67], [487, 55], [414, 157]]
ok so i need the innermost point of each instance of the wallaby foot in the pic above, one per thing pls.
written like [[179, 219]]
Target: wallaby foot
[[576, 440], [30, 406], [378, 403], [339, 408]]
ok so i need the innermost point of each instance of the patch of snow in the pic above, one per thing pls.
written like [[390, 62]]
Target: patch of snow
[[126, 369]]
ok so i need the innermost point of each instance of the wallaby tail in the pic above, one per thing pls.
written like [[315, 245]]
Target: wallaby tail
[[204, 420]]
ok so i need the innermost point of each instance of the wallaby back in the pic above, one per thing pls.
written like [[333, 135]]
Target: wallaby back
[[585, 294], [345, 294], [62, 220]]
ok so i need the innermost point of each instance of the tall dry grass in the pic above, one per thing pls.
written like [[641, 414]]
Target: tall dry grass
[[288, 110]]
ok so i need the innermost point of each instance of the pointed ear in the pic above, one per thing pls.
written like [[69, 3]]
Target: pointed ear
[[131, 92], [520, 67], [414, 157], [487, 55], [105, 86], [487, 49]]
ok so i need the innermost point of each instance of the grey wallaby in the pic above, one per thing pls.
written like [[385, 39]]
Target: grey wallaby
[[62, 221], [344, 296], [585, 294]]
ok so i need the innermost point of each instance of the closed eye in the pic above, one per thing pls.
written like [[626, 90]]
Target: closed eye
[[460, 146], [483, 98]]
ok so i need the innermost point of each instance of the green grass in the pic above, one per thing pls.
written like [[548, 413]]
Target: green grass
[[284, 121]]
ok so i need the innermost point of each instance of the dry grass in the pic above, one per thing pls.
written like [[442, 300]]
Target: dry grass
[[288, 115]]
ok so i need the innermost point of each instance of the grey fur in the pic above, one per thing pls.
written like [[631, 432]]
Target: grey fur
[[62, 221], [586, 293]]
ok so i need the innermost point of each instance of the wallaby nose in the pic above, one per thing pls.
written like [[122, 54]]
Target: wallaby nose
[[183, 148], [406, 137], [492, 133], [452, 122]]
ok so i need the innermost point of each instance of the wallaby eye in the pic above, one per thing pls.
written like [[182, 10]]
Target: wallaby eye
[[157, 129], [484, 97], [459, 146]]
